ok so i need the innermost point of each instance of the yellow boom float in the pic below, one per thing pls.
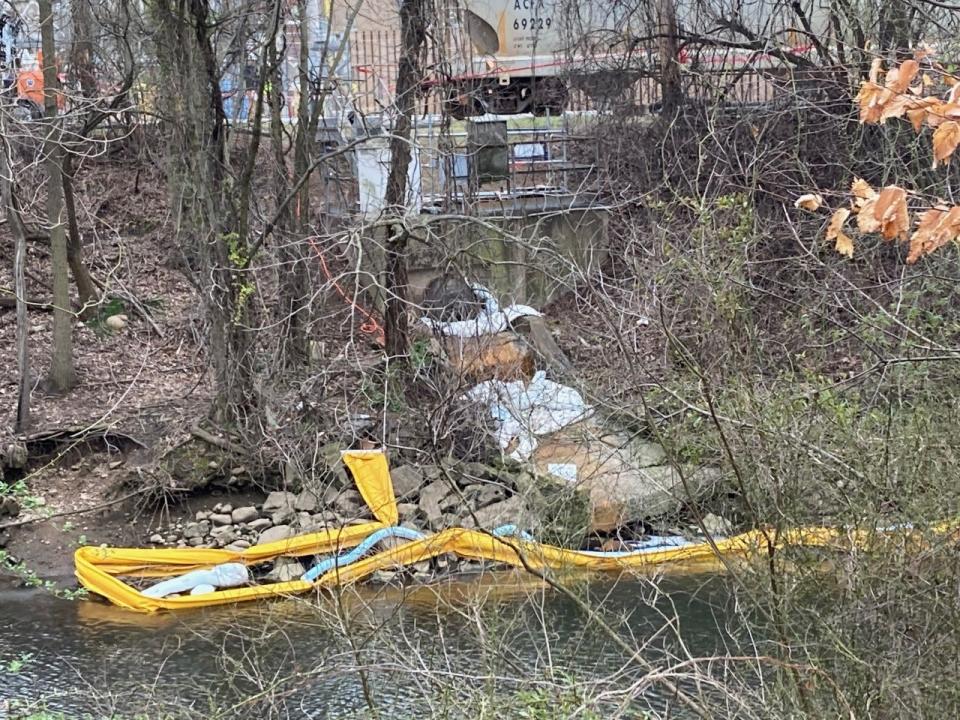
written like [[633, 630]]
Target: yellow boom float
[[99, 569]]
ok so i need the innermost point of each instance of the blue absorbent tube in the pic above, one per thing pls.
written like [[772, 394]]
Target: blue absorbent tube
[[510, 530], [395, 531]]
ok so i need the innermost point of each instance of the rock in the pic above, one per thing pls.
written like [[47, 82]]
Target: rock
[[194, 530], [716, 525], [221, 519], [407, 481], [260, 524], [512, 511], [245, 514], [278, 532], [480, 496], [648, 454], [171, 539], [226, 508], [420, 569], [15, 455], [609, 469], [116, 322], [348, 503], [115, 465], [156, 539], [385, 577], [203, 515], [408, 510], [306, 501], [284, 570], [279, 499], [304, 519], [240, 544], [430, 499], [9, 507], [283, 516], [195, 541]]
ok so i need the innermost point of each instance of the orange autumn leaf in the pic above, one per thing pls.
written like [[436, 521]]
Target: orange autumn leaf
[[899, 79], [809, 202], [843, 243], [945, 141], [871, 101], [861, 189], [890, 211], [875, 67], [866, 220], [935, 228]]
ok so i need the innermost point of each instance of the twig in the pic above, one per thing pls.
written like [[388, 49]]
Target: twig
[[223, 444]]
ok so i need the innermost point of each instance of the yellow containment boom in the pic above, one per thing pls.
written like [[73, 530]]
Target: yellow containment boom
[[99, 568]]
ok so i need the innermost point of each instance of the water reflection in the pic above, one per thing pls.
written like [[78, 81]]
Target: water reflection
[[422, 649]]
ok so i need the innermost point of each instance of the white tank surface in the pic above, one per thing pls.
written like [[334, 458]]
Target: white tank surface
[[519, 55]]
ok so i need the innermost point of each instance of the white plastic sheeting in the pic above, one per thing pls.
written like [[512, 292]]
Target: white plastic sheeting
[[491, 319], [523, 411]]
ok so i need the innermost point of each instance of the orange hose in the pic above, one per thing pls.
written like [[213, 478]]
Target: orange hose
[[370, 325]]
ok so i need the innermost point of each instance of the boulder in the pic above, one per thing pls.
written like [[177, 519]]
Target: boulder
[[203, 515], [285, 569], [716, 525], [195, 529], [260, 524], [612, 470], [14, 455], [278, 532], [156, 539], [284, 515], [221, 519], [9, 507], [306, 501], [407, 481], [279, 499], [431, 497], [116, 322], [224, 535], [245, 514], [512, 511], [408, 510], [348, 503], [482, 495]]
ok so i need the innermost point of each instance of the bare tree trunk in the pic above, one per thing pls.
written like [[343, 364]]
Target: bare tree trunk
[[670, 84], [19, 234], [61, 376], [413, 25], [86, 291]]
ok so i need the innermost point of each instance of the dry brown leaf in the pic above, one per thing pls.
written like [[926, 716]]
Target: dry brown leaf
[[945, 141], [896, 108], [809, 202], [861, 189], [921, 53], [866, 221], [875, 68], [891, 212], [935, 228], [843, 243], [926, 80], [871, 100], [899, 79], [916, 117]]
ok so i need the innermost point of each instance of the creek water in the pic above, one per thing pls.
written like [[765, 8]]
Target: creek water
[[430, 651]]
